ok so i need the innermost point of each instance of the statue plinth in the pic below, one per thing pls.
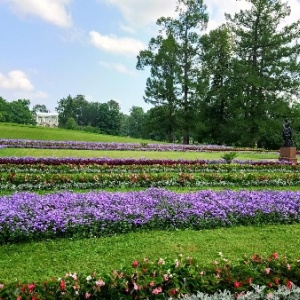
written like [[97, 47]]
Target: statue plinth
[[288, 154]]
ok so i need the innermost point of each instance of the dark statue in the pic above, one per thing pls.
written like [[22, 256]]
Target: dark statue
[[287, 134]]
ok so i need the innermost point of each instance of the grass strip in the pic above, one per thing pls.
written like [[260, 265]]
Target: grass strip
[[41, 260]]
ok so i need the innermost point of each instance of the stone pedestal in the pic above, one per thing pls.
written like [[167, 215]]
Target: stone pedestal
[[288, 154]]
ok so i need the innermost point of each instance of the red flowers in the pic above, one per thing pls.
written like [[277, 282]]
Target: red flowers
[[135, 264], [236, 284], [62, 285], [289, 284], [173, 292]]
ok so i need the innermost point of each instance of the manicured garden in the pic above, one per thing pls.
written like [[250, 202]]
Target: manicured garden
[[144, 228]]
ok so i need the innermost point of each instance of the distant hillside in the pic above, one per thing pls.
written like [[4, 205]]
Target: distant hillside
[[27, 132]]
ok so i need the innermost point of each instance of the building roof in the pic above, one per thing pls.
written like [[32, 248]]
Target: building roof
[[42, 114]]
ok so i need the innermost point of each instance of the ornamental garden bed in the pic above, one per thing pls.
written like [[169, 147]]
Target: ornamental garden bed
[[62, 213]]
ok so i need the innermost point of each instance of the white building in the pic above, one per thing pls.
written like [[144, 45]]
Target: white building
[[47, 119]]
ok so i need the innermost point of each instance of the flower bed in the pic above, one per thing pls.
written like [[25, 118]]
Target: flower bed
[[104, 162], [27, 216], [162, 279], [53, 181], [48, 144], [30, 174]]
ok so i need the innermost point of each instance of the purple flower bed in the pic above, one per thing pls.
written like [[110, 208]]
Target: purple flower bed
[[25, 216], [41, 144]]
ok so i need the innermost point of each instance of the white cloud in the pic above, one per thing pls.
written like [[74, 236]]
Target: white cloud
[[120, 68], [117, 45], [16, 80], [52, 11], [19, 86], [139, 13], [128, 29]]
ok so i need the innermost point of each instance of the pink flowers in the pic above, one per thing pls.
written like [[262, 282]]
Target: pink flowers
[[100, 282], [31, 287], [268, 270], [157, 291]]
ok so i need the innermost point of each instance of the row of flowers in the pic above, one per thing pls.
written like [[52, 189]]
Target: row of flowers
[[48, 144], [27, 216], [146, 168], [166, 279], [27, 160], [40, 181]]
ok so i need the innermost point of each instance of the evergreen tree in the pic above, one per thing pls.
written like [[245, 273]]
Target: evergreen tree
[[265, 69], [215, 83], [175, 65], [163, 87]]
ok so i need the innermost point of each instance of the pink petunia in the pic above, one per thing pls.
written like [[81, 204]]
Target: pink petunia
[[100, 282], [157, 291]]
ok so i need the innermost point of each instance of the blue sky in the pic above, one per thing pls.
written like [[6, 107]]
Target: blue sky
[[54, 48]]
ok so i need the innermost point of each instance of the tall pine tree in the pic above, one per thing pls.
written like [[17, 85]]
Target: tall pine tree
[[183, 33], [265, 69]]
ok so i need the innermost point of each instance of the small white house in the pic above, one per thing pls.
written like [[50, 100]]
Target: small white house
[[47, 119]]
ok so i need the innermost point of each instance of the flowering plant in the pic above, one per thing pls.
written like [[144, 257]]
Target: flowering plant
[[29, 216], [162, 278]]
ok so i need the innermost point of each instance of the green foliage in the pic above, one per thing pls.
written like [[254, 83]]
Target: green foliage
[[40, 108], [229, 156], [71, 124], [264, 73], [136, 122], [174, 59], [16, 111], [234, 85]]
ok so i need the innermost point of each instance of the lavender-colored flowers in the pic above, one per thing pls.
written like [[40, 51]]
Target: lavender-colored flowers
[[28, 215], [41, 144]]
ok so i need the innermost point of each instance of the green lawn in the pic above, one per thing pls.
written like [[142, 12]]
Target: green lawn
[[42, 260], [16, 131], [19, 152]]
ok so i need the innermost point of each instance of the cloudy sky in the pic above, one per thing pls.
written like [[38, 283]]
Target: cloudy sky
[[54, 48]]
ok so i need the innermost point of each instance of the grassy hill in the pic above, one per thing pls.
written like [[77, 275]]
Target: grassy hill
[[17, 131]]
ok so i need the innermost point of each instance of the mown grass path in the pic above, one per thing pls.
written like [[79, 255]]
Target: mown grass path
[[42, 260]]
